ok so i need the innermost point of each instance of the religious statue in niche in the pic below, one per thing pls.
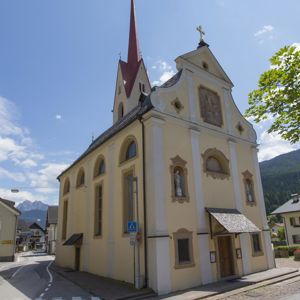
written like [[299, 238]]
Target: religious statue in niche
[[249, 190], [178, 181], [210, 106]]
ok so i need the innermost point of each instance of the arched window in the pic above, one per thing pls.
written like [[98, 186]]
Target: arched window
[[99, 167], [129, 149], [66, 188], [249, 188], [120, 111], [179, 180], [215, 164], [80, 178]]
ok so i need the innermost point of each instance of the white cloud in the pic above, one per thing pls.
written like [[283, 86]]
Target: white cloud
[[165, 72], [21, 165], [15, 176], [271, 145], [265, 29], [44, 180]]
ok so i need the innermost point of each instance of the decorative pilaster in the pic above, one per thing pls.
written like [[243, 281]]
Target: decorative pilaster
[[244, 238], [228, 111], [192, 97], [203, 239], [159, 246], [262, 209]]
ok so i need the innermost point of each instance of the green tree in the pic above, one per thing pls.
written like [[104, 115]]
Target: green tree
[[281, 234], [278, 95]]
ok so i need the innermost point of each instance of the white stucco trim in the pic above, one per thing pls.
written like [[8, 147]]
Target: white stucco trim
[[228, 111], [112, 158], [260, 197], [262, 209], [269, 250], [203, 240], [192, 97], [204, 254], [244, 238], [235, 175], [159, 248], [163, 265]]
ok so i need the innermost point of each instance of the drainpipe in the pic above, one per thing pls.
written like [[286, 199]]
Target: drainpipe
[[144, 202]]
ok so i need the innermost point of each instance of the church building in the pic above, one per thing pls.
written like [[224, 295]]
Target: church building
[[170, 196]]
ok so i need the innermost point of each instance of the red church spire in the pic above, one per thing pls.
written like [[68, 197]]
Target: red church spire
[[134, 55]]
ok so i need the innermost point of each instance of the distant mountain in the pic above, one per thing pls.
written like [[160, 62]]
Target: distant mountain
[[280, 178], [35, 215], [28, 205], [32, 212]]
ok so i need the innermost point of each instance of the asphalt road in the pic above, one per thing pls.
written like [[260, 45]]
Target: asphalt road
[[30, 278]]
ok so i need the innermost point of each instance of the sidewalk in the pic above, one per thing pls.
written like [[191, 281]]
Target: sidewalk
[[109, 289], [105, 288], [216, 288]]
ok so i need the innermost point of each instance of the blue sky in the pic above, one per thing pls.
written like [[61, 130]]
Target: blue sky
[[58, 68]]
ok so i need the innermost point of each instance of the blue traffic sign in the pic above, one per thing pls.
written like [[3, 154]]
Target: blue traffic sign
[[132, 226]]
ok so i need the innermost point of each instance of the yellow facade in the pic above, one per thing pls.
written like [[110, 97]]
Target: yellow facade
[[195, 152], [8, 223]]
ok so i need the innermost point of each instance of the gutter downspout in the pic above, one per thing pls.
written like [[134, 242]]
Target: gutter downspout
[[144, 202]]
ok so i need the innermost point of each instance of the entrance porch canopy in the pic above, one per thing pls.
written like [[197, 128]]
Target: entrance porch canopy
[[232, 220], [74, 240]]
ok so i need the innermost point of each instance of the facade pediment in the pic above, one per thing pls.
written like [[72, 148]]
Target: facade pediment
[[204, 59]]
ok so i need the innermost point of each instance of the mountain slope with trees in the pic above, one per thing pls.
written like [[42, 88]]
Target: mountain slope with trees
[[280, 178]]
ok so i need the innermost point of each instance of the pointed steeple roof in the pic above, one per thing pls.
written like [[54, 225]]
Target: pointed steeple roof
[[133, 48], [130, 68]]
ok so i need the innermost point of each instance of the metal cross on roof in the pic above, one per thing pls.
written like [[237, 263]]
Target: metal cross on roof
[[202, 33]]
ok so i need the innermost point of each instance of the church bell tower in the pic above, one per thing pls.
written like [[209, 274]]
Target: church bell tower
[[132, 78]]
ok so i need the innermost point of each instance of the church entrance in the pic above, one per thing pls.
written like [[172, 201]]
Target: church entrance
[[226, 263]]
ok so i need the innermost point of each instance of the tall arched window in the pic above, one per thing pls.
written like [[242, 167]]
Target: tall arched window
[[66, 188], [129, 149], [99, 167], [120, 111], [80, 178]]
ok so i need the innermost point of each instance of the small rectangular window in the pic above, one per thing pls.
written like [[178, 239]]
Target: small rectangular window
[[183, 251], [142, 87], [98, 210], [256, 245], [292, 221]]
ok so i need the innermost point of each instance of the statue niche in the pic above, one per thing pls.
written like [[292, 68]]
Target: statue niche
[[210, 106], [179, 185]]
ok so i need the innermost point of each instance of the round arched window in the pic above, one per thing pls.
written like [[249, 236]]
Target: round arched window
[[80, 178], [66, 189], [213, 165], [131, 150], [99, 167]]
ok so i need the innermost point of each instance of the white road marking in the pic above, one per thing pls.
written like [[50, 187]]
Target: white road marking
[[46, 289], [13, 275], [42, 295], [50, 275], [49, 284]]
